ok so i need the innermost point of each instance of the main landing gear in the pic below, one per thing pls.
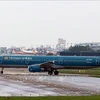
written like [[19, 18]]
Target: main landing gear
[[50, 72], [2, 71]]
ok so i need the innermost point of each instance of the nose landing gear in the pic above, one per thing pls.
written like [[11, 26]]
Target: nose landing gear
[[2, 71]]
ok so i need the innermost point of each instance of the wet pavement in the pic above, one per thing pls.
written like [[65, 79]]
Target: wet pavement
[[43, 85], [16, 88]]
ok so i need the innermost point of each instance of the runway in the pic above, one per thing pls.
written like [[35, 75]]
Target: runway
[[26, 84], [12, 88], [18, 88]]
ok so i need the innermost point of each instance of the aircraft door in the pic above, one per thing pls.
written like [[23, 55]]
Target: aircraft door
[[26, 62], [97, 61], [60, 60], [0, 59]]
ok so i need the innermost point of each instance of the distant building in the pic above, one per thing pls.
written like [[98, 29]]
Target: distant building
[[93, 45], [9, 51], [3, 50], [61, 44]]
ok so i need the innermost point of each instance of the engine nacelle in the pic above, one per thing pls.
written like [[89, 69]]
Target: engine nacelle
[[34, 68]]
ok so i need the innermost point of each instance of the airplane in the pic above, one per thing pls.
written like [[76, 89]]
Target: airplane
[[49, 64], [16, 52], [28, 52], [23, 52]]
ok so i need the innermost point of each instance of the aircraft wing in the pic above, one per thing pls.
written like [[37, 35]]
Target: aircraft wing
[[48, 65]]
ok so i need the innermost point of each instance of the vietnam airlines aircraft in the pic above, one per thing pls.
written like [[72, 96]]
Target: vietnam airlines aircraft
[[48, 63]]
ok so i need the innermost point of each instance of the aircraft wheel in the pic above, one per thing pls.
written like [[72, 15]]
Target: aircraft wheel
[[1, 72], [56, 72], [50, 72]]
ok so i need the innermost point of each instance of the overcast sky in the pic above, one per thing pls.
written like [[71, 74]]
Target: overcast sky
[[27, 23]]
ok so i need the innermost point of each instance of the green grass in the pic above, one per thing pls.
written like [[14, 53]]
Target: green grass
[[93, 72], [53, 98]]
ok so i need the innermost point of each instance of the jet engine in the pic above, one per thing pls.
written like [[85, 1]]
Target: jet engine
[[34, 68]]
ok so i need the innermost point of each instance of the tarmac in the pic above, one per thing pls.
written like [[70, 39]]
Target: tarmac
[[41, 84]]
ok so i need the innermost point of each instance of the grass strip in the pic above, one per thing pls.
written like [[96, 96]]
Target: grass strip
[[52, 98]]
